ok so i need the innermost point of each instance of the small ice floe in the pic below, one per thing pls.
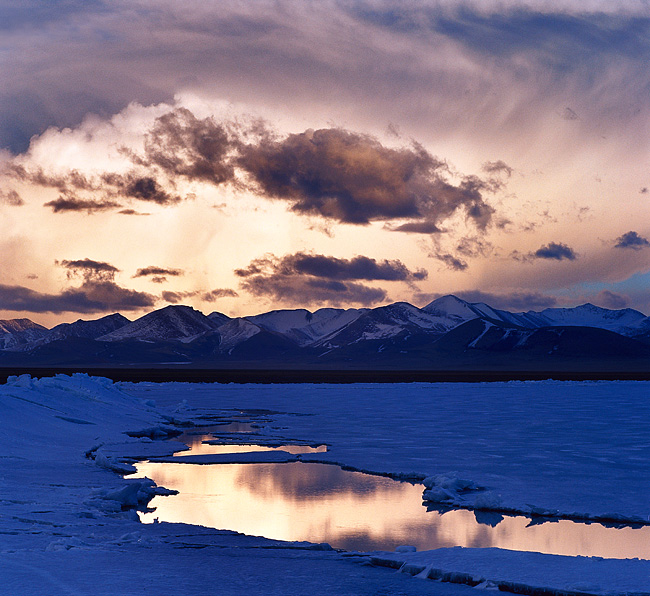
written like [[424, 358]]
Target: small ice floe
[[406, 549], [447, 488]]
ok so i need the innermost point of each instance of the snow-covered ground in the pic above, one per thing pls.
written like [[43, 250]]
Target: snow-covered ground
[[67, 524]]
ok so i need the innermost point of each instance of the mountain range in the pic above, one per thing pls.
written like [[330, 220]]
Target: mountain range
[[447, 334]]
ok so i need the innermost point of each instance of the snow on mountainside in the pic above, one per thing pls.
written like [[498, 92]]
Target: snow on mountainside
[[19, 334], [588, 315], [626, 321], [18, 325], [171, 322], [452, 311], [235, 332], [557, 341], [89, 329], [218, 318], [399, 319], [305, 327]]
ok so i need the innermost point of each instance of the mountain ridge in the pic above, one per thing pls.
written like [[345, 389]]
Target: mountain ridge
[[383, 336]]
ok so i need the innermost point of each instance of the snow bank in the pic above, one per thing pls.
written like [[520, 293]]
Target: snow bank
[[524, 572]]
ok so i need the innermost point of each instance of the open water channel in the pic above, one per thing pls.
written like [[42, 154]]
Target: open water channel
[[351, 510]]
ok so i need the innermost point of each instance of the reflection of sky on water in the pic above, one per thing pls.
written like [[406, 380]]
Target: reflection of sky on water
[[198, 447], [322, 503]]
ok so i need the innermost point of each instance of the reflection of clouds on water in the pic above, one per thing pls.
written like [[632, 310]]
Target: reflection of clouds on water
[[305, 482], [355, 511]]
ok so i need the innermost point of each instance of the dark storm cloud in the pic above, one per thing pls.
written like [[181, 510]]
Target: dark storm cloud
[[182, 145], [158, 271], [631, 240], [332, 268], [91, 297], [69, 203], [555, 251], [11, 197], [353, 178], [298, 290], [89, 269]]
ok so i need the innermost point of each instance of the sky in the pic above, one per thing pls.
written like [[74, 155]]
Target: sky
[[247, 156]]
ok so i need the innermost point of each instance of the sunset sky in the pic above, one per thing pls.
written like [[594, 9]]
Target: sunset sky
[[247, 156]]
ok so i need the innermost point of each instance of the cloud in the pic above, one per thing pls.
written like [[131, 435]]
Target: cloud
[[452, 262], [569, 114], [143, 188], [515, 301], [131, 212], [555, 251], [214, 295], [612, 300], [176, 297], [11, 197], [64, 182], [158, 271], [305, 278], [631, 240], [209, 296], [417, 227], [497, 167], [332, 268], [89, 269], [352, 178], [180, 144], [91, 297], [68, 203], [304, 291]]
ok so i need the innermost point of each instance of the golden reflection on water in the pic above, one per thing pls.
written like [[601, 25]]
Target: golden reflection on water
[[322, 503], [198, 447]]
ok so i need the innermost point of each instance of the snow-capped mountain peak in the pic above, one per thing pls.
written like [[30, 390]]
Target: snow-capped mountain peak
[[170, 322]]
